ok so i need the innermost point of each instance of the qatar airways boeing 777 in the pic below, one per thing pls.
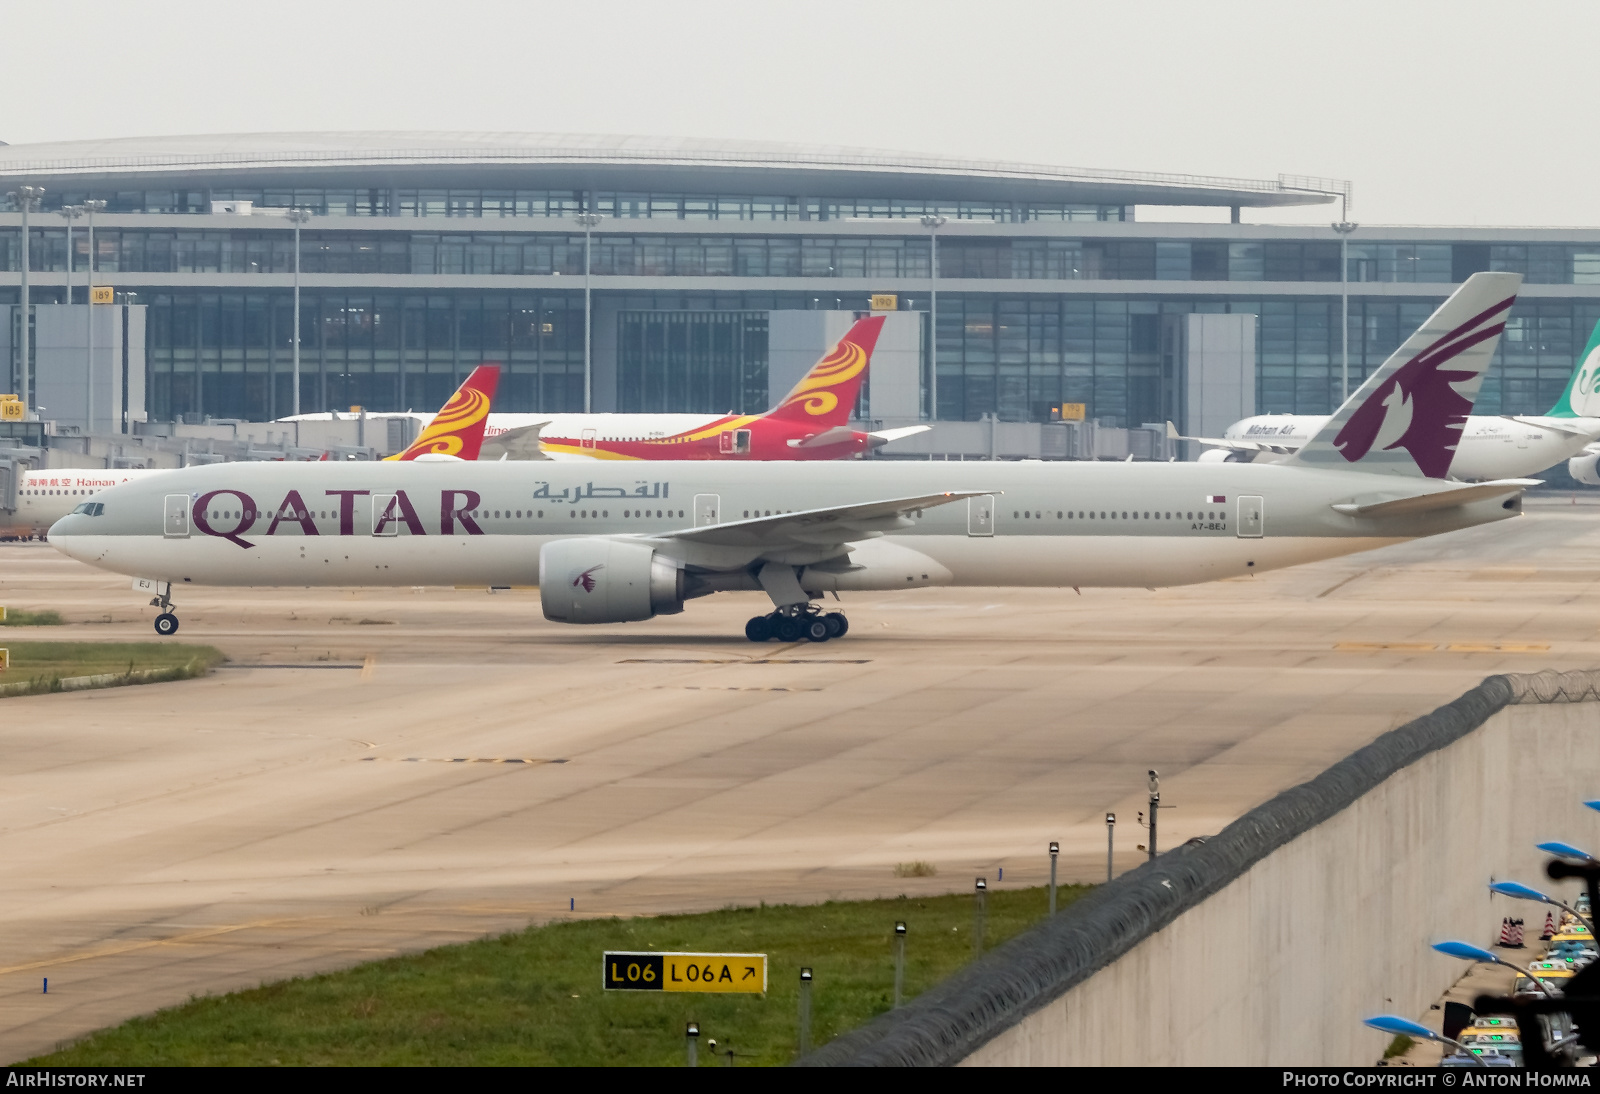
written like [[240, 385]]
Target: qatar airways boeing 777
[[621, 542]]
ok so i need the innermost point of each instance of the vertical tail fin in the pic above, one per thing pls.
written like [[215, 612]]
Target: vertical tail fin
[[826, 396], [1407, 418], [1581, 399], [457, 430]]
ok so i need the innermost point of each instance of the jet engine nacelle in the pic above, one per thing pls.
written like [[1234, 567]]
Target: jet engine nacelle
[[1223, 455], [1582, 467], [602, 580]]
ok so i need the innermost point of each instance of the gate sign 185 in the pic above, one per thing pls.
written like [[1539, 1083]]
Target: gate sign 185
[[717, 972]]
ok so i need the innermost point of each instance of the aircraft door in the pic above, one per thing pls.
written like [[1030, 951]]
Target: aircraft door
[[734, 442], [707, 508], [1252, 518], [586, 439], [385, 521], [175, 517], [980, 515]]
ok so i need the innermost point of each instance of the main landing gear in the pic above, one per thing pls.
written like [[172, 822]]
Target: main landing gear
[[167, 621], [797, 623]]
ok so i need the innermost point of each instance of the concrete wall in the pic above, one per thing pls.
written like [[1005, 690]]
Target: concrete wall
[[1281, 965], [1219, 374], [60, 351]]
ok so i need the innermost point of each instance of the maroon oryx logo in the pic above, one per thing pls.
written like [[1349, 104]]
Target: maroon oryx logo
[[1418, 408], [585, 580]]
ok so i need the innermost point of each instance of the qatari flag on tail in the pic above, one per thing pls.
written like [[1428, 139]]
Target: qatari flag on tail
[[1407, 418]]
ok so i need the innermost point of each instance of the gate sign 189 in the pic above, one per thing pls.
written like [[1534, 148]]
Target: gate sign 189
[[717, 972]]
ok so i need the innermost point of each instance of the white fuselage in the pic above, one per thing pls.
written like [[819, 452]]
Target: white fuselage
[[1492, 447], [1049, 524]]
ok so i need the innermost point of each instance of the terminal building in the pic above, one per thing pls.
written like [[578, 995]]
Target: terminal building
[[428, 253]]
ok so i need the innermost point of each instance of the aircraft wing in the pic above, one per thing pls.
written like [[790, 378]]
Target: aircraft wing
[[834, 526], [521, 443], [1441, 499], [1552, 425]]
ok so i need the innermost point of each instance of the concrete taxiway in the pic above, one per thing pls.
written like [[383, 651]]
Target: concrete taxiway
[[384, 770]]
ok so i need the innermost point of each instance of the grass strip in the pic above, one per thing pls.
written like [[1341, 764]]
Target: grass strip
[[534, 996], [40, 667], [18, 617]]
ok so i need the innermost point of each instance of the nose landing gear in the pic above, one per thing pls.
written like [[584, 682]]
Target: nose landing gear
[[167, 621], [799, 622]]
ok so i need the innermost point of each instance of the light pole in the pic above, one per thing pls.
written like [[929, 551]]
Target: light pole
[[1466, 951], [91, 207], [1111, 828], [1155, 804], [933, 224], [26, 198], [1518, 891], [297, 217], [1396, 1026], [69, 213], [1344, 227], [589, 221]]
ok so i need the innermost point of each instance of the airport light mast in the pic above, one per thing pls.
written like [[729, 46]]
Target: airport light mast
[[1344, 227], [90, 207], [933, 224], [27, 199], [297, 217], [588, 221]]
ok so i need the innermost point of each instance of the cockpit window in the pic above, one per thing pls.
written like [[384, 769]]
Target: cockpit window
[[90, 509]]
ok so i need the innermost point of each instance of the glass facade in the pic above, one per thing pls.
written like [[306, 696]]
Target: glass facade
[[230, 354], [1028, 317], [390, 202], [686, 361], [270, 250]]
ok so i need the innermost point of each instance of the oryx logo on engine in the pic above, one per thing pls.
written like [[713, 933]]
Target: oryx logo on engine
[[585, 580]]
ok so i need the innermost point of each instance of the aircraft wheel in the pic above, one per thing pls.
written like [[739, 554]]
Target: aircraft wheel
[[759, 629], [817, 629], [789, 629], [166, 623], [838, 625]]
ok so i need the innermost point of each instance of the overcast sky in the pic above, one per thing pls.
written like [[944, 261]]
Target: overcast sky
[[1441, 113]]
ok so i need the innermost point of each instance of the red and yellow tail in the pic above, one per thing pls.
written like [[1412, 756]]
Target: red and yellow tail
[[457, 430], [826, 396]]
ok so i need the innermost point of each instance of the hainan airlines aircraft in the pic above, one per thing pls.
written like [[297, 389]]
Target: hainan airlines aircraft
[[1492, 447], [810, 423], [616, 542], [456, 432]]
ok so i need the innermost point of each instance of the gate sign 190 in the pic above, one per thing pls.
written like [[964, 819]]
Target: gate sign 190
[[719, 972]]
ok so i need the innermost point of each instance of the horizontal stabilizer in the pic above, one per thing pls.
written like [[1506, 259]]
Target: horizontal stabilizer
[[1441, 499], [839, 434], [881, 437], [521, 443], [1234, 444]]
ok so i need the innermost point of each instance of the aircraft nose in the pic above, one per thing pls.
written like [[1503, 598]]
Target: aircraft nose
[[64, 533]]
